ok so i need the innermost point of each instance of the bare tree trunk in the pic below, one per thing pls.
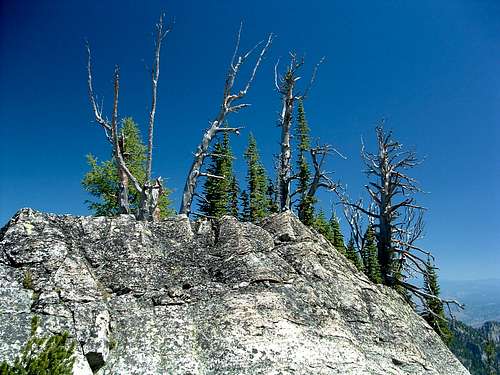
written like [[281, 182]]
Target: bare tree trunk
[[285, 87], [155, 74], [216, 125], [150, 192], [285, 152]]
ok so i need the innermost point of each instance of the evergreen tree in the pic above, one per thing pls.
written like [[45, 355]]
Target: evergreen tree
[[245, 206], [352, 255], [323, 226], [233, 199], [370, 257], [271, 197], [102, 180], [434, 314], [218, 191], [257, 182], [47, 355], [305, 207], [338, 237]]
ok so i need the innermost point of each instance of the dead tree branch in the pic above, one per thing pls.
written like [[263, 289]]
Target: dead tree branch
[[228, 105]]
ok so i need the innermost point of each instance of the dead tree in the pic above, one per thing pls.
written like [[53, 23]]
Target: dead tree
[[397, 223], [150, 190], [285, 86], [393, 213], [229, 105]]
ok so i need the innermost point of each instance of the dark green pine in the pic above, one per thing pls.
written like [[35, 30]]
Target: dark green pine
[[338, 237], [257, 182], [305, 206], [370, 257], [352, 255], [434, 314]]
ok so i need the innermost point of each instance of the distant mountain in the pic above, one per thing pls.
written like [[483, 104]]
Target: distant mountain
[[469, 343], [481, 299]]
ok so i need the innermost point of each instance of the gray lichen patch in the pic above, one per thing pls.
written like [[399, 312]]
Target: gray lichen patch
[[177, 297]]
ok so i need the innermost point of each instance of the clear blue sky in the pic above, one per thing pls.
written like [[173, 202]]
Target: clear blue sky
[[431, 68]]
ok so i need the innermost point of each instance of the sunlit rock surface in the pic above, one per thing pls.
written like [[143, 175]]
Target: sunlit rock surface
[[178, 297]]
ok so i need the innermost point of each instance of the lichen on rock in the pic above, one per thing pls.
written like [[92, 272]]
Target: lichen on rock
[[177, 297]]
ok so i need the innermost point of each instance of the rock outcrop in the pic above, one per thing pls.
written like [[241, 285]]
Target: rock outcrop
[[177, 297]]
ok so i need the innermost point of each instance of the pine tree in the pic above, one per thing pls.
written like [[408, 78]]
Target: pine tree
[[102, 180], [338, 237], [370, 257], [257, 182], [44, 355], [233, 199], [434, 314], [323, 226], [217, 190], [352, 255], [271, 195], [305, 207], [245, 206]]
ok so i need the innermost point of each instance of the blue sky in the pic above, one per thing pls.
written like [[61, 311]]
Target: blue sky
[[432, 69]]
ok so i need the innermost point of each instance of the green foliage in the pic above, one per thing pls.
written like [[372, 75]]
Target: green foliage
[[271, 195], [474, 349], [47, 355], [338, 237], [218, 192], [233, 198], [28, 280], [434, 314], [370, 257], [257, 182], [323, 226], [305, 206], [491, 362], [352, 255], [102, 181], [245, 206]]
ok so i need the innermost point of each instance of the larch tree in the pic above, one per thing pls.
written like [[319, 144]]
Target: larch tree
[[103, 182], [231, 103], [257, 182], [150, 190]]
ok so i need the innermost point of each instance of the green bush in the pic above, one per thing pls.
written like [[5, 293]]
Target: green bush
[[47, 355]]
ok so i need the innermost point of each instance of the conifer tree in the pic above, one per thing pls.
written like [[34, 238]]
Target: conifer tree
[[271, 195], [233, 198], [352, 255], [217, 188], [434, 314], [43, 355], [245, 206], [305, 206], [370, 257], [102, 181], [338, 237], [323, 226], [257, 182]]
